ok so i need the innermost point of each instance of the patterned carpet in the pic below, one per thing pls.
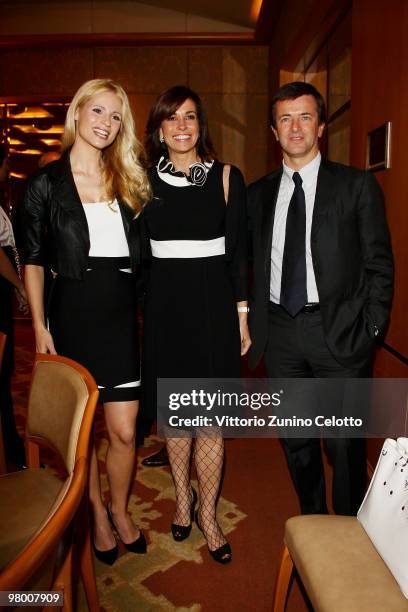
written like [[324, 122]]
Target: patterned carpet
[[256, 499], [124, 587]]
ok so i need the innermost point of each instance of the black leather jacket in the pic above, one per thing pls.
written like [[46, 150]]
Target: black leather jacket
[[55, 228]]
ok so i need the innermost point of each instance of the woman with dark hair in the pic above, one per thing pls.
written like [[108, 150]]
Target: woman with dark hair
[[195, 307]]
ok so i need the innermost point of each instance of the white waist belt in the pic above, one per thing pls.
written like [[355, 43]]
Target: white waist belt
[[188, 248]]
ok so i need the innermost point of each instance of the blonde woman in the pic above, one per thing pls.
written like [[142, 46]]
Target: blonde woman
[[81, 217]]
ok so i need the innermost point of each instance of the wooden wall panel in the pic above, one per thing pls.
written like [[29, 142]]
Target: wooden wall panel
[[143, 70], [385, 366], [57, 72], [229, 69], [239, 130], [141, 104], [388, 366], [379, 94], [302, 27], [232, 79]]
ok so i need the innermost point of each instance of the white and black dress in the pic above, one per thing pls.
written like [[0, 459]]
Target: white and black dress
[[94, 320], [196, 246]]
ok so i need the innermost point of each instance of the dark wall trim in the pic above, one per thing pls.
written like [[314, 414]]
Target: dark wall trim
[[395, 353], [319, 42], [268, 20], [138, 39], [314, 32], [343, 108]]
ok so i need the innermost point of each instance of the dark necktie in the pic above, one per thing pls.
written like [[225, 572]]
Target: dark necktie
[[293, 286]]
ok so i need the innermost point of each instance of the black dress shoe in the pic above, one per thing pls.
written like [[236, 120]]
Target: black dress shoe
[[181, 532], [107, 556], [137, 546], [159, 459], [223, 554]]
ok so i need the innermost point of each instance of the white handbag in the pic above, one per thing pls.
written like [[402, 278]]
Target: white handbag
[[384, 511]]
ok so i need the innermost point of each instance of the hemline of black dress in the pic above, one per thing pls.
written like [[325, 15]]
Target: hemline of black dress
[[94, 322]]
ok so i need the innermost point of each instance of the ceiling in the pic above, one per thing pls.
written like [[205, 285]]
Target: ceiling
[[231, 11], [238, 12]]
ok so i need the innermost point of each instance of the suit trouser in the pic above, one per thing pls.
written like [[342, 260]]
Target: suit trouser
[[296, 348]]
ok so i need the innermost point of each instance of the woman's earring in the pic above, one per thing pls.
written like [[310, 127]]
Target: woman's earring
[[161, 138]]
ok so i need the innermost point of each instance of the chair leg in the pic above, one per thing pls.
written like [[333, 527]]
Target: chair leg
[[282, 582], [86, 562], [63, 582], [32, 454]]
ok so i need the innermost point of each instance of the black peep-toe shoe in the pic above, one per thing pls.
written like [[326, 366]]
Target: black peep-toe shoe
[[181, 532], [137, 546], [219, 554]]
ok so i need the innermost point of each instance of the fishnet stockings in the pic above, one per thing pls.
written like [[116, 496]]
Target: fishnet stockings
[[209, 457], [179, 452]]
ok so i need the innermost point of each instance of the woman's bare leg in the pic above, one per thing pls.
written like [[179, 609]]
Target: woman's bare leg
[[102, 531], [120, 420]]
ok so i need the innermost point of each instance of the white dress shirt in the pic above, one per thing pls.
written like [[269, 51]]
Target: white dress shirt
[[309, 177]]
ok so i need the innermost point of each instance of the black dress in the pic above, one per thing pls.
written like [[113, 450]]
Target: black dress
[[91, 305], [94, 322], [191, 327]]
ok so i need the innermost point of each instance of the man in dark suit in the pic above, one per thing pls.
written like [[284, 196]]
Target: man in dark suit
[[322, 282]]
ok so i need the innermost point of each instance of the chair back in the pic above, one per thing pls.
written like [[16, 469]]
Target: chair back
[[60, 392], [63, 399]]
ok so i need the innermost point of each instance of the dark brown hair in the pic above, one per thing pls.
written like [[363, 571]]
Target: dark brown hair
[[294, 90], [164, 107]]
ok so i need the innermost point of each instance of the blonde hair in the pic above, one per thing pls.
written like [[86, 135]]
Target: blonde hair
[[124, 175]]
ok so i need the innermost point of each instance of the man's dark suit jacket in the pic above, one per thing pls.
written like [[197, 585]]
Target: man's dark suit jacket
[[351, 255]]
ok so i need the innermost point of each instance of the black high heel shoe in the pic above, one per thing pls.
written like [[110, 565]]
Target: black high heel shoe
[[137, 546], [219, 554], [181, 532], [106, 556]]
